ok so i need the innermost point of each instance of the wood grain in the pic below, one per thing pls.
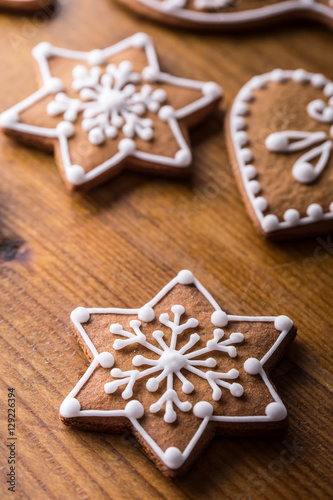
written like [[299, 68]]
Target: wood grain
[[118, 245]]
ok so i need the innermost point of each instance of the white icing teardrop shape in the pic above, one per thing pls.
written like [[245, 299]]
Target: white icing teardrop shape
[[304, 172]]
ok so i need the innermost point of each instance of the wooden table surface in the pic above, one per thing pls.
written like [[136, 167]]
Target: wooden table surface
[[119, 244]]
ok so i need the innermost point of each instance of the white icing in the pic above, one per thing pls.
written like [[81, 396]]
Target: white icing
[[178, 9], [172, 364], [306, 169], [110, 99]]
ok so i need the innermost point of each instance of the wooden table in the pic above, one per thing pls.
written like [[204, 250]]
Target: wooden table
[[119, 244]]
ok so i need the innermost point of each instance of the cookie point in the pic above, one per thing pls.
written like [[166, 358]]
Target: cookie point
[[134, 409], [203, 409], [80, 315], [219, 319], [212, 89], [105, 359], [283, 323], [65, 129], [54, 85], [96, 57], [43, 49], [173, 458], [70, 408], [252, 366], [185, 277], [75, 175], [166, 113], [276, 411], [183, 157], [127, 146], [140, 40], [146, 314], [270, 223], [8, 118]]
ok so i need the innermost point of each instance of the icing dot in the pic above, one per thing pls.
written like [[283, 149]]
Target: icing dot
[[254, 187], [278, 76], [212, 89], [105, 359], [79, 71], [246, 155], [187, 387], [166, 112], [127, 146], [237, 337], [146, 314], [8, 118], [304, 172], [300, 75], [160, 95], [80, 315], [183, 157], [246, 95], [70, 408], [96, 57], [203, 409], [96, 136], [185, 277], [134, 409], [252, 366], [331, 207], [219, 318], [238, 123], [76, 175], [54, 85], [43, 49], [178, 309], [315, 211], [236, 390], [276, 411], [328, 90], [250, 172], [270, 223], [140, 40], [283, 323], [149, 74], [260, 203], [240, 108], [257, 82], [277, 142], [292, 216], [152, 384], [241, 138], [65, 129], [173, 458], [318, 80]]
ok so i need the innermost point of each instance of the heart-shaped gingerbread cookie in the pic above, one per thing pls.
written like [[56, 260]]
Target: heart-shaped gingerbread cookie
[[280, 139], [231, 14]]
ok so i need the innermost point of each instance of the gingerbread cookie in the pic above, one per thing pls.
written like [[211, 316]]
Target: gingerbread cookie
[[176, 371], [231, 14], [24, 5], [106, 110], [280, 138]]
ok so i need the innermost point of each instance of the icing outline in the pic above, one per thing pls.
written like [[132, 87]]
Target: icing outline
[[173, 457], [127, 148], [244, 157], [176, 9]]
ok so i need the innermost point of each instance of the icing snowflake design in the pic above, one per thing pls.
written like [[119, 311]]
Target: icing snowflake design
[[291, 141], [110, 101], [171, 362], [160, 364], [113, 104]]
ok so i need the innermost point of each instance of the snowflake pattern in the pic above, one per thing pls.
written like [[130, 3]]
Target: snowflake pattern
[[171, 362], [291, 141], [110, 101]]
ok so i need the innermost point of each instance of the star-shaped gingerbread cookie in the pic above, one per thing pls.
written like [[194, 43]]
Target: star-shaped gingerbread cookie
[[231, 14], [106, 110], [176, 371]]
